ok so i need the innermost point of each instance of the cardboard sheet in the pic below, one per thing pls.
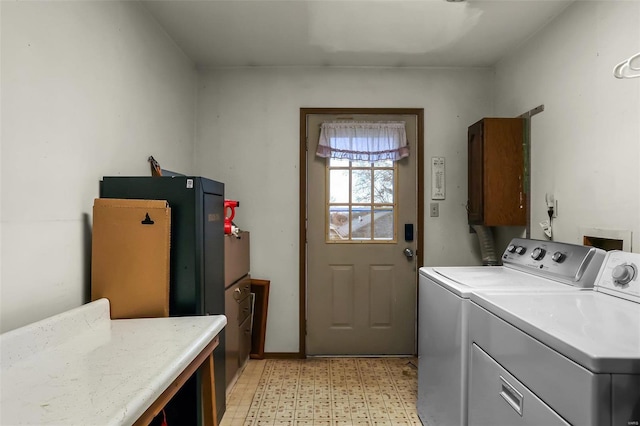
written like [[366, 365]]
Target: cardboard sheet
[[130, 256]]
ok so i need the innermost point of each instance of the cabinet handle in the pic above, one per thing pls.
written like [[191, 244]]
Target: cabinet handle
[[521, 192], [511, 395], [521, 200]]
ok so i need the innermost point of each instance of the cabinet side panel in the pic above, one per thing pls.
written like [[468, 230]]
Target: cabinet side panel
[[475, 202], [212, 290]]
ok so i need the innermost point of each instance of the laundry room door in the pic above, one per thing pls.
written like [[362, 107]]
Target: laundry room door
[[361, 265]]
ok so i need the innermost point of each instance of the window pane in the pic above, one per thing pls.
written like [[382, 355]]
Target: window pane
[[383, 223], [383, 163], [361, 224], [361, 164], [339, 222], [339, 186], [361, 191], [338, 162], [383, 186]]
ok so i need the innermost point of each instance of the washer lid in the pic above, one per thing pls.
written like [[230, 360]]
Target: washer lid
[[596, 330], [465, 279]]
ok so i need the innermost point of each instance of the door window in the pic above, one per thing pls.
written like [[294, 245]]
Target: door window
[[360, 201]]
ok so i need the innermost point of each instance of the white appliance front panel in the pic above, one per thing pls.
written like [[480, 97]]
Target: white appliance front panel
[[442, 361]]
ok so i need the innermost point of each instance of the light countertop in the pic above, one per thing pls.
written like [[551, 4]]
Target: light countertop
[[83, 368]]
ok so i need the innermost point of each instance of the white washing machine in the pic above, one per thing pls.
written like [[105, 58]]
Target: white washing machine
[[443, 307], [559, 358]]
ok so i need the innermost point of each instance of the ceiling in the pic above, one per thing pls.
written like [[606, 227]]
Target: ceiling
[[370, 33]]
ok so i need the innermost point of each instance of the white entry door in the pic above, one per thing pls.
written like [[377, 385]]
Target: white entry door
[[362, 238]]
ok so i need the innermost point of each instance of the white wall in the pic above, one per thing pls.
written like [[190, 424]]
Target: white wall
[[88, 89], [248, 137], [586, 144]]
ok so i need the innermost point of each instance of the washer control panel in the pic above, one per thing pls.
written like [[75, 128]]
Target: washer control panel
[[569, 263], [619, 275]]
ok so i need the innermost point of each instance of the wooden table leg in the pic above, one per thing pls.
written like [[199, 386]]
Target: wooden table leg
[[210, 413]]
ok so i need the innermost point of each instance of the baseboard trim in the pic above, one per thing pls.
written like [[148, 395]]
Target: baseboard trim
[[284, 355]]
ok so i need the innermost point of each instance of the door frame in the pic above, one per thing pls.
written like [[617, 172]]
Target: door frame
[[416, 150]]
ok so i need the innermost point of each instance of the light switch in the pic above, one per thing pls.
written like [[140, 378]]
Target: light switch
[[434, 210]]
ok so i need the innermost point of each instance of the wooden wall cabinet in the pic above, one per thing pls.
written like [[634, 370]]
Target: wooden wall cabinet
[[496, 173]]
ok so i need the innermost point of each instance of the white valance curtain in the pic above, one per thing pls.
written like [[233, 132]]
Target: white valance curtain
[[363, 141]]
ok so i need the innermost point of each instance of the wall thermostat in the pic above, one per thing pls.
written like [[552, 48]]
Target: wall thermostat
[[437, 178]]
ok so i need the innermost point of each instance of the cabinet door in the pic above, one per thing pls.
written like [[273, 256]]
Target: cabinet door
[[498, 398], [475, 204], [232, 346], [496, 173], [245, 342], [503, 163]]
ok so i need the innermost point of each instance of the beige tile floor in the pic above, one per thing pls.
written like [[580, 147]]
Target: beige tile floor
[[325, 391]]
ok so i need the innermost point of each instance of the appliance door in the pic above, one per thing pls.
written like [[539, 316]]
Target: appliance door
[[442, 335], [498, 398]]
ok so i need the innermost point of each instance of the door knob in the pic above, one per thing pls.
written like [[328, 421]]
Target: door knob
[[408, 252]]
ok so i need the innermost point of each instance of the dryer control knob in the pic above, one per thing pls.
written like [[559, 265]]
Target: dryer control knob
[[538, 253], [511, 248], [520, 250], [558, 257], [622, 274]]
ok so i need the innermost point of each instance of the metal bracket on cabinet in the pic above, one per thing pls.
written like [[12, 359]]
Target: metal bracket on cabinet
[[532, 112], [527, 160]]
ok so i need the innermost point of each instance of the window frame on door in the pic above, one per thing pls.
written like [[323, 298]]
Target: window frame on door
[[331, 207]]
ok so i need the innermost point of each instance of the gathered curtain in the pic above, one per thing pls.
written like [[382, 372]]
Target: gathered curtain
[[363, 141]]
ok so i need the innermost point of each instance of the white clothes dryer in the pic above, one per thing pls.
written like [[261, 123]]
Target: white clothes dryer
[[558, 358], [443, 309]]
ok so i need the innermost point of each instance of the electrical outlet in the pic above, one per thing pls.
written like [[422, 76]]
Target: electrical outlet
[[552, 203], [434, 210]]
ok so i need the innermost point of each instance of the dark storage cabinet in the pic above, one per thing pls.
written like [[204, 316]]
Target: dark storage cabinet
[[238, 302], [196, 268], [496, 173]]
